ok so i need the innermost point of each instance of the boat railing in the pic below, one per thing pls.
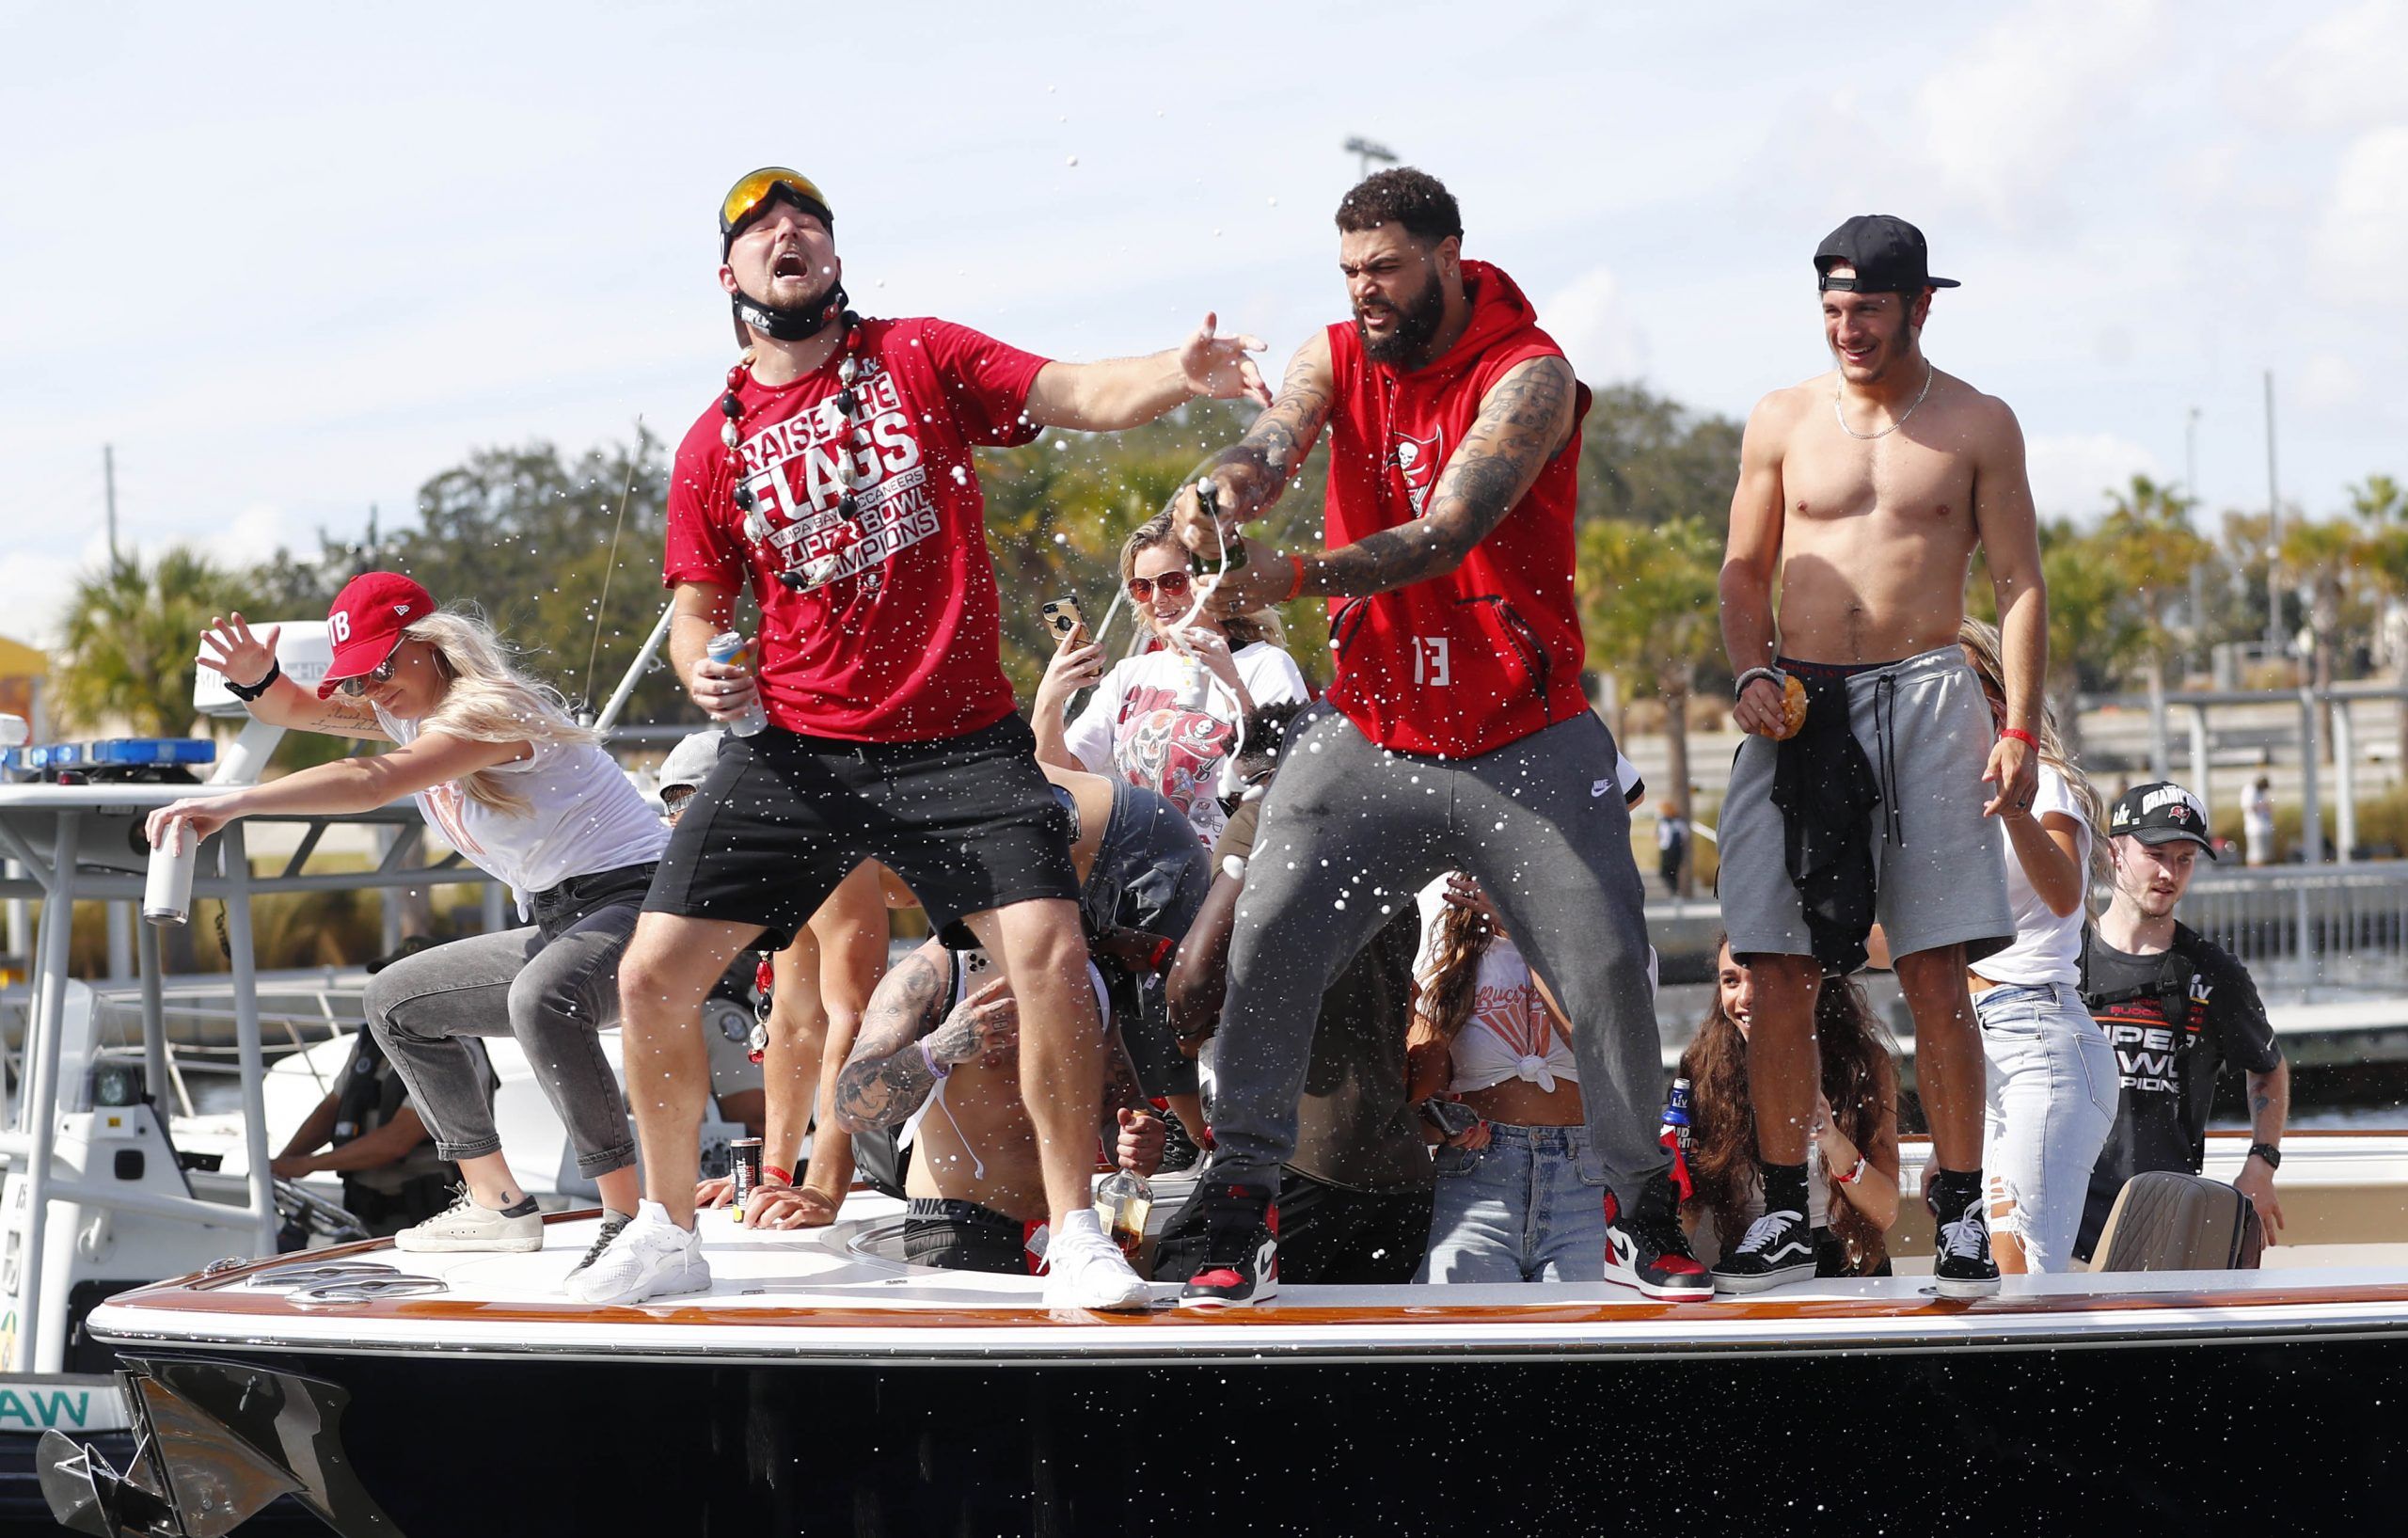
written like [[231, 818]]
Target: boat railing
[[2304, 917]]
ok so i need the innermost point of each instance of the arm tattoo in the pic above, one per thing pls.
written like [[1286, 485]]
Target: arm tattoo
[[1276, 447], [884, 1081], [1524, 421]]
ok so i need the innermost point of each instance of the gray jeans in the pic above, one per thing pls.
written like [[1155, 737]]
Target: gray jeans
[[1351, 832], [554, 985]]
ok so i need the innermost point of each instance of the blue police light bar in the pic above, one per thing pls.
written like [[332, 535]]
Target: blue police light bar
[[126, 751]]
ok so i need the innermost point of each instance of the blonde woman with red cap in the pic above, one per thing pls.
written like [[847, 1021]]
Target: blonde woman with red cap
[[502, 774]]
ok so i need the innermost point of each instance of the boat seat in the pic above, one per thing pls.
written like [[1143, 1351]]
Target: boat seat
[[2165, 1220]]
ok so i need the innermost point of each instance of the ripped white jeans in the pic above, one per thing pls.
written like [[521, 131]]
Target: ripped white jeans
[[2051, 1087]]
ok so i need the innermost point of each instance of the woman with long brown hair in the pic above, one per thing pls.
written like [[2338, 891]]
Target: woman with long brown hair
[[2051, 1078], [1520, 1193], [1852, 1175]]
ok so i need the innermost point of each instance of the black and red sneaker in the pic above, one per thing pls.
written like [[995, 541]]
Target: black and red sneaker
[[1242, 1250], [1649, 1251]]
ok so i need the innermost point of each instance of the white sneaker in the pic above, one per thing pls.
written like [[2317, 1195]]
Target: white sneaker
[[652, 1257], [465, 1226], [1085, 1270]]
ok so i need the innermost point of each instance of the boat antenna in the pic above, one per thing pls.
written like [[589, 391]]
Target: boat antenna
[[634, 456]]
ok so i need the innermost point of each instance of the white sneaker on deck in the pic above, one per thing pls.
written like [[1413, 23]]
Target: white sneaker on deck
[[465, 1226], [652, 1257], [1085, 1270]]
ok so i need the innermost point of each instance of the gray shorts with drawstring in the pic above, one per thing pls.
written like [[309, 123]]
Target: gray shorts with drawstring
[[1940, 866]]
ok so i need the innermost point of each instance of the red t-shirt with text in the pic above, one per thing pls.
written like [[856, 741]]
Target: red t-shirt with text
[[900, 643]]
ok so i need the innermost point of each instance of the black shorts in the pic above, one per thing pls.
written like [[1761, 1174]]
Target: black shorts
[[967, 822], [964, 1236]]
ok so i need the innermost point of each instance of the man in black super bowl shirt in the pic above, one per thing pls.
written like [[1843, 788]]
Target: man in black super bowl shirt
[[2176, 1007]]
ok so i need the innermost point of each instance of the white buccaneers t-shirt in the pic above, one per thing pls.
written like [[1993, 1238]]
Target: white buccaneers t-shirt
[[2047, 948], [1142, 724], [585, 817]]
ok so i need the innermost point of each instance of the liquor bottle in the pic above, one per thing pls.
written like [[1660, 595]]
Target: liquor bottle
[[729, 647], [1123, 1200]]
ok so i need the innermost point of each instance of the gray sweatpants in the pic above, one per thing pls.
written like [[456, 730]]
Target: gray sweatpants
[[1351, 832], [553, 985]]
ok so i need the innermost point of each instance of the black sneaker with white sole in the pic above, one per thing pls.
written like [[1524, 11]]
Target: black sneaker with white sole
[[1242, 1249], [1778, 1247], [1649, 1251], [1960, 1263]]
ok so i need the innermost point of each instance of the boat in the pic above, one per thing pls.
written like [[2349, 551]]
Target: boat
[[825, 1384]]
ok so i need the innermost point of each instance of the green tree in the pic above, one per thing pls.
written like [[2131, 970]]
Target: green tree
[[1647, 459], [131, 632], [1649, 609]]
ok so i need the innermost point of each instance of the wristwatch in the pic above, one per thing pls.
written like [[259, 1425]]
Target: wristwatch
[[2268, 1152]]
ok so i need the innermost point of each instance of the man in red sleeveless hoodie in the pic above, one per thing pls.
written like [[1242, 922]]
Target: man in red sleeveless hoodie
[[1456, 735], [833, 477]]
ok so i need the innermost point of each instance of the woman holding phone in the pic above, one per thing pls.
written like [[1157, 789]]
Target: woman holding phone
[[1165, 718], [501, 773]]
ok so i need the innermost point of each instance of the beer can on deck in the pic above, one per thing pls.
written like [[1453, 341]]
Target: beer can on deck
[[743, 1172]]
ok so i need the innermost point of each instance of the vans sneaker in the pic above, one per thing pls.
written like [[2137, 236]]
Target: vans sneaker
[[1242, 1250], [652, 1257], [1779, 1247], [1085, 1270], [1961, 1261], [465, 1226], [1649, 1251]]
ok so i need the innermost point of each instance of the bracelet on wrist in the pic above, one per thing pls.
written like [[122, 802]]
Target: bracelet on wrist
[[1296, 587], [930, 1060], [248, 692], [779, 1173], [1773, 675], [1852, 1176], [2020, 734]]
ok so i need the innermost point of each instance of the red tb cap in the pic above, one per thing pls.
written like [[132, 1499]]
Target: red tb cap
[[366, 621]]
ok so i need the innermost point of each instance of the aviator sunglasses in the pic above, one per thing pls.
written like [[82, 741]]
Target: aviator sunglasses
[[382, 673], [1174, 584]]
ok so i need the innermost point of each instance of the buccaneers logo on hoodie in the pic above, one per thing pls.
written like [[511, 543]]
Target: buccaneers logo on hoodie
[[1418, 460]]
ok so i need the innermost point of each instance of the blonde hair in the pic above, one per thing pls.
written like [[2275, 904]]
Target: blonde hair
[[1982, 639], [1243, 629], [486, 699]]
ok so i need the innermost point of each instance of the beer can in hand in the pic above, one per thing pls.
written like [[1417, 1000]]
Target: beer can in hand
[[743, 1173], [734, 650], [166, 893]]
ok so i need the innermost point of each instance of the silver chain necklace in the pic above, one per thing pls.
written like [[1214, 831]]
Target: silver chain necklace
[[1929, 373]]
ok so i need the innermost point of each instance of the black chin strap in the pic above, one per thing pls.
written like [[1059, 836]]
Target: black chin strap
[[799, 324]]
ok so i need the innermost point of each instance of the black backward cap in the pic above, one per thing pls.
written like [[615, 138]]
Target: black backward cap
[[1888, 254]]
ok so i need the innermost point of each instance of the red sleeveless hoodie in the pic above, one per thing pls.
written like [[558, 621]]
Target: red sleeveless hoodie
[[1467, 662]]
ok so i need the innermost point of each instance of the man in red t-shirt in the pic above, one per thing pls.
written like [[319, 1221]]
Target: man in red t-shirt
[[834, 478], [1456, 735]]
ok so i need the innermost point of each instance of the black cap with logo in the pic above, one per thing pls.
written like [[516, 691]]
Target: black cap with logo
[[1887, 254], [2160, 813]]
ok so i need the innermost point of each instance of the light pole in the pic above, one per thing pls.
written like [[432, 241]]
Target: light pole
[[2199, 569], [1368, 151], [2273, 536]]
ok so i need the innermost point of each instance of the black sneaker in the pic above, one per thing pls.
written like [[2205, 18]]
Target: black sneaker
[[1779, 1247], [1242, 1250], [1650, 1252], [1961, 1261]]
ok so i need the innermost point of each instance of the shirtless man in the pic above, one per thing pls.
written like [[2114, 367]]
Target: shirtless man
[[1864, 492], [943, 1032]]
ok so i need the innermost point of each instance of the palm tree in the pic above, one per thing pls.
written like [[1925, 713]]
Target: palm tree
[[1648, 606], [131, 632]]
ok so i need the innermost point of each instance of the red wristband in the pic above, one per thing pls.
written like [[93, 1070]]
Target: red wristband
[[2021, 735], [1298, 585], [784, 1177]]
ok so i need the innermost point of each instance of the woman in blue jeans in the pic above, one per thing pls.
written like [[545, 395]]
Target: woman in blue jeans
[[1520, 1196], [2051, 1077], [502, 774]]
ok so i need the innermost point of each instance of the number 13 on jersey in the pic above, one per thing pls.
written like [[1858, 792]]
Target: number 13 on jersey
[[1429, 661]]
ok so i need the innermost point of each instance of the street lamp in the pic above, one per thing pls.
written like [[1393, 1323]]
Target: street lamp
[[1369, 150]]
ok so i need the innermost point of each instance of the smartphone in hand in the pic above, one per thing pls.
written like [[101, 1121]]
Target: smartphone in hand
[[1062, 617]]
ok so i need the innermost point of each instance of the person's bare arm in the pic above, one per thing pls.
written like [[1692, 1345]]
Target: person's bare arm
[[1751, 560], [699, 610], [1130, 391], [374, 1149], [1249, 475], [2010, 535], [888, 1076], [311, 1135], [2270, 1111], [1199, 978], [2049, 847], [347, 784], [1524, 420], [230, 648]]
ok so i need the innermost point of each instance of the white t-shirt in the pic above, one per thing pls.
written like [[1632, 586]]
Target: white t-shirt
[[1142, 724], [2047, 948], [585, 817]]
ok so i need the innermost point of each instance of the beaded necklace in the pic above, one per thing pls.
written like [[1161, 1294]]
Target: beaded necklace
[[809, 574]]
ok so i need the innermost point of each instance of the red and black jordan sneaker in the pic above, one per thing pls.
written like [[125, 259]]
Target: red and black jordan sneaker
[[1649, 1251], [1242, 1250]]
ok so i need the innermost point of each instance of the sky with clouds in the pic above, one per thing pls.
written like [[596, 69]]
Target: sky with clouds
[[292, 260]]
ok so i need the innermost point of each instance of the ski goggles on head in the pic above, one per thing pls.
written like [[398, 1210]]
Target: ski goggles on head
[[754, 188]]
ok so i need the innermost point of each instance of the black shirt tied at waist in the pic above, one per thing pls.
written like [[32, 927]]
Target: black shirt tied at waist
[[1826, 790]]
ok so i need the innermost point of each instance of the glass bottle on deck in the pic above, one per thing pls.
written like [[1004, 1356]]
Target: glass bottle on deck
[[1122, 1201]]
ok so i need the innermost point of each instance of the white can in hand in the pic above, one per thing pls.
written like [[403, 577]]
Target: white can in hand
[[728, 648], [166, 895]]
